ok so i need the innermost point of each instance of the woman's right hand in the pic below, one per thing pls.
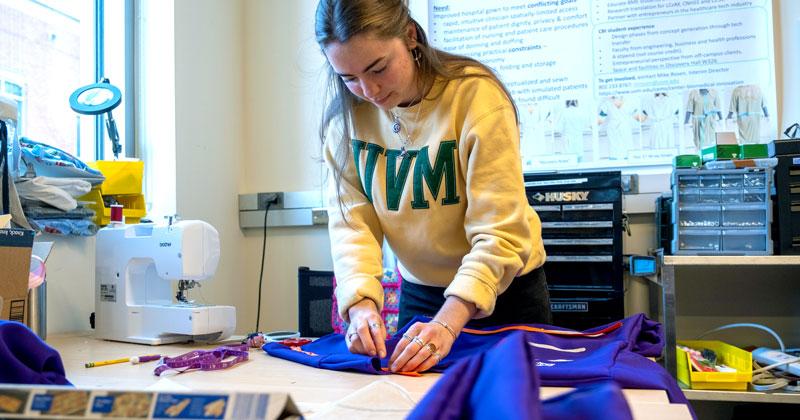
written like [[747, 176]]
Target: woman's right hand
[[366, 333]]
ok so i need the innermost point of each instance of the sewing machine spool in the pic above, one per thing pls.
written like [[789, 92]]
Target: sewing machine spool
[[116, 213]]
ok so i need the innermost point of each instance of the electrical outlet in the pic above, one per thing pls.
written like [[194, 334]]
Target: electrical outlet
[[275, 198], [630, 184]]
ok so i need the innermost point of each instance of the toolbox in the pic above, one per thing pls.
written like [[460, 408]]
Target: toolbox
[[721, 211], [581, 216], [786, 204], [663, 222]]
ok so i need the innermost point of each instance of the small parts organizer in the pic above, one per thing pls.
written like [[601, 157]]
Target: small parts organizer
[[721, 212]]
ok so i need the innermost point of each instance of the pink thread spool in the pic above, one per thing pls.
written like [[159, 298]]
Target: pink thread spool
[[116, 213]]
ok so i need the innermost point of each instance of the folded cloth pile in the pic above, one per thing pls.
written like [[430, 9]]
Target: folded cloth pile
[[50, 181]]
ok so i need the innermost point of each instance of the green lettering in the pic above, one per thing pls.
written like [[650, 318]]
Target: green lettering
[[443, 167], [396, 181]]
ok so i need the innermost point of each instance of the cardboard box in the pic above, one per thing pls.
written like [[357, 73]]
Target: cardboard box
[[15, 264]]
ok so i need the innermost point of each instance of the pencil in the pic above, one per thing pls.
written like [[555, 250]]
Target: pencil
[[108, 362]]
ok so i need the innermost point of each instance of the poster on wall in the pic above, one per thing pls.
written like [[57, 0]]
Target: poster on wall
[[621, 83]]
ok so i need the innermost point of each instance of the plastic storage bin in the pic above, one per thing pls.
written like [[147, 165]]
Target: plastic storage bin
[[133, 207], [123, 177], [728, 355], [721, 211]]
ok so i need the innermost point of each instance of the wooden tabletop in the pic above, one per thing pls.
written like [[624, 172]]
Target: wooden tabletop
[[313, 390]]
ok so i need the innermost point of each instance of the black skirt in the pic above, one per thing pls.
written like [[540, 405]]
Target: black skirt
[[526, 301]]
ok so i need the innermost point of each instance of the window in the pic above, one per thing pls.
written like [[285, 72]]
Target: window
[[49, 48]]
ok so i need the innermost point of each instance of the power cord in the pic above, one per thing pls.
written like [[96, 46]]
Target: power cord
[[269, 202], [749, 325]]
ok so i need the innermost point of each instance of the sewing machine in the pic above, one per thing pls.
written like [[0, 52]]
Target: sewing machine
[[135, 267]]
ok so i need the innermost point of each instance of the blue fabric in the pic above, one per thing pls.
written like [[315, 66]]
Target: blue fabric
[[328, 352], [26, 359], [571, 361], [76, 227], [47, 160]]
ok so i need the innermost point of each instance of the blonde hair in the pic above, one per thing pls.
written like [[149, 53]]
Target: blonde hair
[[339, 20]]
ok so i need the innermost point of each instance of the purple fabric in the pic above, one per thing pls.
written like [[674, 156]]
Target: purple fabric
[[503, 383], [26, 359], [486, 386], [597, 401]]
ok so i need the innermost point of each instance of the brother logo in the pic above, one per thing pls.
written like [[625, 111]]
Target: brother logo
[[561, 196], [165, 244]]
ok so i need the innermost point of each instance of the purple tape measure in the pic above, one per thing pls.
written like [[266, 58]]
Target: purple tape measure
[[219, 358]]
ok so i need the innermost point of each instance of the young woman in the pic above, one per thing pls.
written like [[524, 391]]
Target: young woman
[[423, 147]]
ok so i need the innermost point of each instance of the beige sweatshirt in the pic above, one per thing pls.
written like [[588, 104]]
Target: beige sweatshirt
[[453, 209]]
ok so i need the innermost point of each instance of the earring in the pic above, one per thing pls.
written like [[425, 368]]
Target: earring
[[416, 54]]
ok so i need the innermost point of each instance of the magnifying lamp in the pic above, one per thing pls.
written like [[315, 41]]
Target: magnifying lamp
[[96, 99]]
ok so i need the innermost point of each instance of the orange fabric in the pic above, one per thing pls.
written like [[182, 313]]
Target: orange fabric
[[412, 374], [604, 331]]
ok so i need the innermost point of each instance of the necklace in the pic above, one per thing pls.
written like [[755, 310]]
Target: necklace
[[398, 127]]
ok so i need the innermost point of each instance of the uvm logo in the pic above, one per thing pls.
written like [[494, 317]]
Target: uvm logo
[[561, 196], [165, 244]]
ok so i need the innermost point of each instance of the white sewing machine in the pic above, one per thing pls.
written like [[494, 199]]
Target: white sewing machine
[[134, 271]]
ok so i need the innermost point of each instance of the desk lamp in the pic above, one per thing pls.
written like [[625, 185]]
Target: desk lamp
[[96, 99]]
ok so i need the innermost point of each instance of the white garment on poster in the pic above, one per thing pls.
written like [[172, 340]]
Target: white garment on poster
[[534, 121], [662, 111], [573, 121], [619, 118], [703, 107], [747, 105]]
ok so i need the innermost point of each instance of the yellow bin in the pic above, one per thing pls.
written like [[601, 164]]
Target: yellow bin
[[123, 177], [727, 355]]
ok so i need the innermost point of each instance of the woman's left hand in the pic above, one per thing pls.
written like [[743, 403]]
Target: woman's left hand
[[421, 347]]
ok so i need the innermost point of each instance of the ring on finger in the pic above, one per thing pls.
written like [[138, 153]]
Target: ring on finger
[[374, 325], [438, 356], [408, 337], [431, 348], [350, 336], [418, 341]]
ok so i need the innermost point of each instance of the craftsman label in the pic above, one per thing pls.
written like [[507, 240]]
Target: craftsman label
[[108, 292], [569, 306]]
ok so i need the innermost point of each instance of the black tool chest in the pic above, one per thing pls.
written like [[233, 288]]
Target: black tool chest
[[786, 201], [581, 216]]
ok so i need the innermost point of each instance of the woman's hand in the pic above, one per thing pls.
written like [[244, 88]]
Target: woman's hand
[[421, 347], [426, 343], [366, 333]]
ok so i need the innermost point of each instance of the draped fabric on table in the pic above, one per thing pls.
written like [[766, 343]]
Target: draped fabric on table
[[26, 359], [617, 352]]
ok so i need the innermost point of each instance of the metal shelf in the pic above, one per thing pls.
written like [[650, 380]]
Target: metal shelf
[[666, 279], [742, 396], [682, 260]]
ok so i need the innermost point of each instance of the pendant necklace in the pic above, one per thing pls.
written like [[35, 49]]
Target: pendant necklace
[[398, 127]]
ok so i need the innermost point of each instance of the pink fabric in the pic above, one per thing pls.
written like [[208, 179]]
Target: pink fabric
[[391, 303]]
